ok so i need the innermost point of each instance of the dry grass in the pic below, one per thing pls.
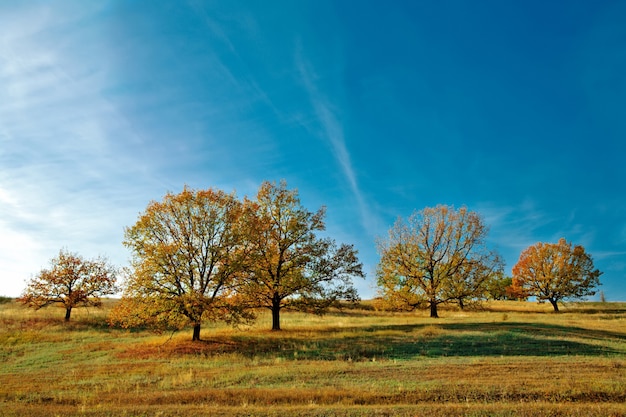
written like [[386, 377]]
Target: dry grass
[[508, 359]]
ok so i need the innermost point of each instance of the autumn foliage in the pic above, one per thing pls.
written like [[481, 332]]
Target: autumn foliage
[[72, 282], [289, 265], [437, 255], [554, 272], [205, 255], [186, 255]]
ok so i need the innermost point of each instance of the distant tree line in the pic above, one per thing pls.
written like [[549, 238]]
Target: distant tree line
[[205, 255], [5, 300]]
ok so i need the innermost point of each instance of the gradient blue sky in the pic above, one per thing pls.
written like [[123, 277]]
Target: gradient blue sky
[[373, 108]]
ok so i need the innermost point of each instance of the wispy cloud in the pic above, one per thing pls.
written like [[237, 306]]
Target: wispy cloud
[[80, 156], [62, 145], [332, 130], [513, 228]]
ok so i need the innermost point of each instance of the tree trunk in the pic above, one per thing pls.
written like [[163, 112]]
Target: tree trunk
[[554, 304], [433, 310], [68, 312], [461, 305], [275, 314], [196, 332]]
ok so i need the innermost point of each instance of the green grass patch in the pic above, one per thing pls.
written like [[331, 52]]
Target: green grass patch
[[506, 359]]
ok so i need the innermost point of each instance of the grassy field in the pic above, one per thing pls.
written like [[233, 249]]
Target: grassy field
[[512, 358]]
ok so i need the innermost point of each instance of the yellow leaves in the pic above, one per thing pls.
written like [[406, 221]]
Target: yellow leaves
[[200, 250], [289, 265], [437, 253], [185, 251]]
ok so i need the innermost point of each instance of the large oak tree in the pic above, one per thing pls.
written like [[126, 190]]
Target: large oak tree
[[186, 255], [435, 256], [290, 266], [554, 272], [71, 281]]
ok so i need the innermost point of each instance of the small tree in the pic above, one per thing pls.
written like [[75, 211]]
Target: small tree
[[555, 272], [290, 267], [72, 282], [186, 256], [436, 256], [496, 286]]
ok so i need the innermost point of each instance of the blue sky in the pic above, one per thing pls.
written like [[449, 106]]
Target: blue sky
[[374, 109]]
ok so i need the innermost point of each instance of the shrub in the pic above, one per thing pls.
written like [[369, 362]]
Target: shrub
[[5, 300]]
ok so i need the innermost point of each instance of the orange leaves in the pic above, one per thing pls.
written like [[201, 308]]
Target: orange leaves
[[555, 271], [71, 281]]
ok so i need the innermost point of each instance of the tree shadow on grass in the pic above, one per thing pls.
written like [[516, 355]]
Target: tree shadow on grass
[[497, 344], [532, 329], [410, 341], [540, 329], [512, 339]]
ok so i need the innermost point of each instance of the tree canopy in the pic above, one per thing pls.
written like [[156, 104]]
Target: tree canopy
[[205, 255], [497, 287], [435, 256], [290, 266], [71, 281], [186, 254], [555, 272]]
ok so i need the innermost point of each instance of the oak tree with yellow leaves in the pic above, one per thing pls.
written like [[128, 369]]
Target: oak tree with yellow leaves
[[187, 253], [290, 266], [437, 255]]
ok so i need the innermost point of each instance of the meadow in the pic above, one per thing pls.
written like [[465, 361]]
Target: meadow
[[509, 358]]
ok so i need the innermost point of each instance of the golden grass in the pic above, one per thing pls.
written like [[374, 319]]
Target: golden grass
[[507, 359]]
